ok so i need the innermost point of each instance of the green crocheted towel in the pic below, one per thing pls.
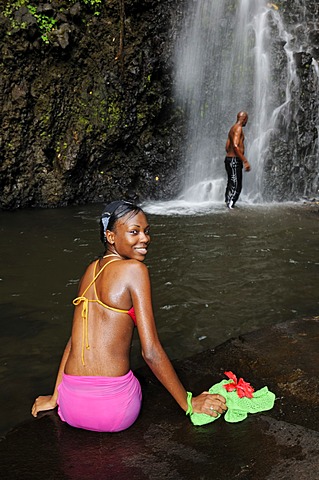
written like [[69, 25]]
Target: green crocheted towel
[[238, 408]]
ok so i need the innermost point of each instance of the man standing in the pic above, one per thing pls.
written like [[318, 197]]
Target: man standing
[[235, 159]]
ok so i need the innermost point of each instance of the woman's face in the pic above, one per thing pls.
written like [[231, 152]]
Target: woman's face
[[131, 237]]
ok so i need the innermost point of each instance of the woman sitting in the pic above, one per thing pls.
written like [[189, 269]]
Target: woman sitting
[[95, 388]]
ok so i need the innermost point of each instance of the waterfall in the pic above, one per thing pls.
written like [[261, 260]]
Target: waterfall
[[223, 66], [316, 146]]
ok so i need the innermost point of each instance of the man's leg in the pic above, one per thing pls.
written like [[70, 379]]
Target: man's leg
[[239, 180], [234, 183]]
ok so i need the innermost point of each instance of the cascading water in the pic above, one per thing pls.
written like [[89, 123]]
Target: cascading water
[[223, 66]]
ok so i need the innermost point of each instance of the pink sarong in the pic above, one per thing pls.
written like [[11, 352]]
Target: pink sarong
[[101, 404]]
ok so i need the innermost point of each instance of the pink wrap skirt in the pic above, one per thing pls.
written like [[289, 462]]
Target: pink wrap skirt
[[101, 404]]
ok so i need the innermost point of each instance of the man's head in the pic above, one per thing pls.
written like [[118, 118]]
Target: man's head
[[242, 117]]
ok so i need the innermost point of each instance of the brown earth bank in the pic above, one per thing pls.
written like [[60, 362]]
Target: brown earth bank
[[87, 106], [282, 443]]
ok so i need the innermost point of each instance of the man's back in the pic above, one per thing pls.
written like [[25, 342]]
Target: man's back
[[235, 141]]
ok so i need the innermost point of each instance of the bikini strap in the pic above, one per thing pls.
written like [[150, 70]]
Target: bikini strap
[[114, 309], [96, 275], [85, 308]]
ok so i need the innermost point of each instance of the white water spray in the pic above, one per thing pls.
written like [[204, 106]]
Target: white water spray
[[223, 66]]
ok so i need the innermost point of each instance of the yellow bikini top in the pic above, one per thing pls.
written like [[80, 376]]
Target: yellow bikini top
[[85, 306]]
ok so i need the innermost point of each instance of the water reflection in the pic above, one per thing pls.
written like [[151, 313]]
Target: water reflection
[[215, 275]]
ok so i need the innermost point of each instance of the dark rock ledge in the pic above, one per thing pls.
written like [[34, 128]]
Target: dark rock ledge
[[280, 444]]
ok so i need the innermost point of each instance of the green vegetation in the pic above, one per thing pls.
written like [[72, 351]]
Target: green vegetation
[[114, 115], [9, 10], [46, 23], [13, 6], [92, 3], [95, 4]]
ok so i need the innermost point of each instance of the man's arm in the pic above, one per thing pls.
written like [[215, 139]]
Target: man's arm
[[238, 131]]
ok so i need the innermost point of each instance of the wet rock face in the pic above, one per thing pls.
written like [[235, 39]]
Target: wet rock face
[[291, 169], [87, 111]]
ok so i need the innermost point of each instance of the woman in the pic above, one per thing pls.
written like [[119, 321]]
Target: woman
[[95, 388]]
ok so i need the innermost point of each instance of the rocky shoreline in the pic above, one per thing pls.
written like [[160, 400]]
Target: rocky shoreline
[[282, 443]]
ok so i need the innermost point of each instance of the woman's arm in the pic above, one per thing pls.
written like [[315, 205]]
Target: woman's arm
[[153, 352], [49, 402]]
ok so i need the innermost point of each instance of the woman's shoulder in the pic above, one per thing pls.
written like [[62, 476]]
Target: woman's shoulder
[[136, 274], [128, 267], [91, 266], [87, 275], [135, 265], [131, 269]]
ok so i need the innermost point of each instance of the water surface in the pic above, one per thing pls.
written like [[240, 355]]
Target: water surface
[[215, 274]]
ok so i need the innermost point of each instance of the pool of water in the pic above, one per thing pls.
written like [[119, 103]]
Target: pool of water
[[215, 274]]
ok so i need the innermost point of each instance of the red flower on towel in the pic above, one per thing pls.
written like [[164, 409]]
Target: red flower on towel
[[243, 388]]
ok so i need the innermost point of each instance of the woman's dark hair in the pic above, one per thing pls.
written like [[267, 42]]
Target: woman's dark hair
[[112, 213]]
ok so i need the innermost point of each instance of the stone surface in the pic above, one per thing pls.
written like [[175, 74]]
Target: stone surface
[[279, 444]]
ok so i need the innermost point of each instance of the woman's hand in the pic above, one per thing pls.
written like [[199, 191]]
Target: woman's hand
[[42, 403], [211, 404]]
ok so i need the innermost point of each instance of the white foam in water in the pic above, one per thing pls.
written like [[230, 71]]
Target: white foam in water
[[185, 207], [182, 207]]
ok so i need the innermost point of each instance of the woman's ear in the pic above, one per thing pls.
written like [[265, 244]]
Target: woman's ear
[[109, 237]]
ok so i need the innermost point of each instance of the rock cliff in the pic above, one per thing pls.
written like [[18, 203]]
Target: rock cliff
[[87, 110], [292, 162], [86, 106]]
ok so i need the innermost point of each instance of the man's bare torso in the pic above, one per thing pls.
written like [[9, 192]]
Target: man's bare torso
[[236, 138]]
